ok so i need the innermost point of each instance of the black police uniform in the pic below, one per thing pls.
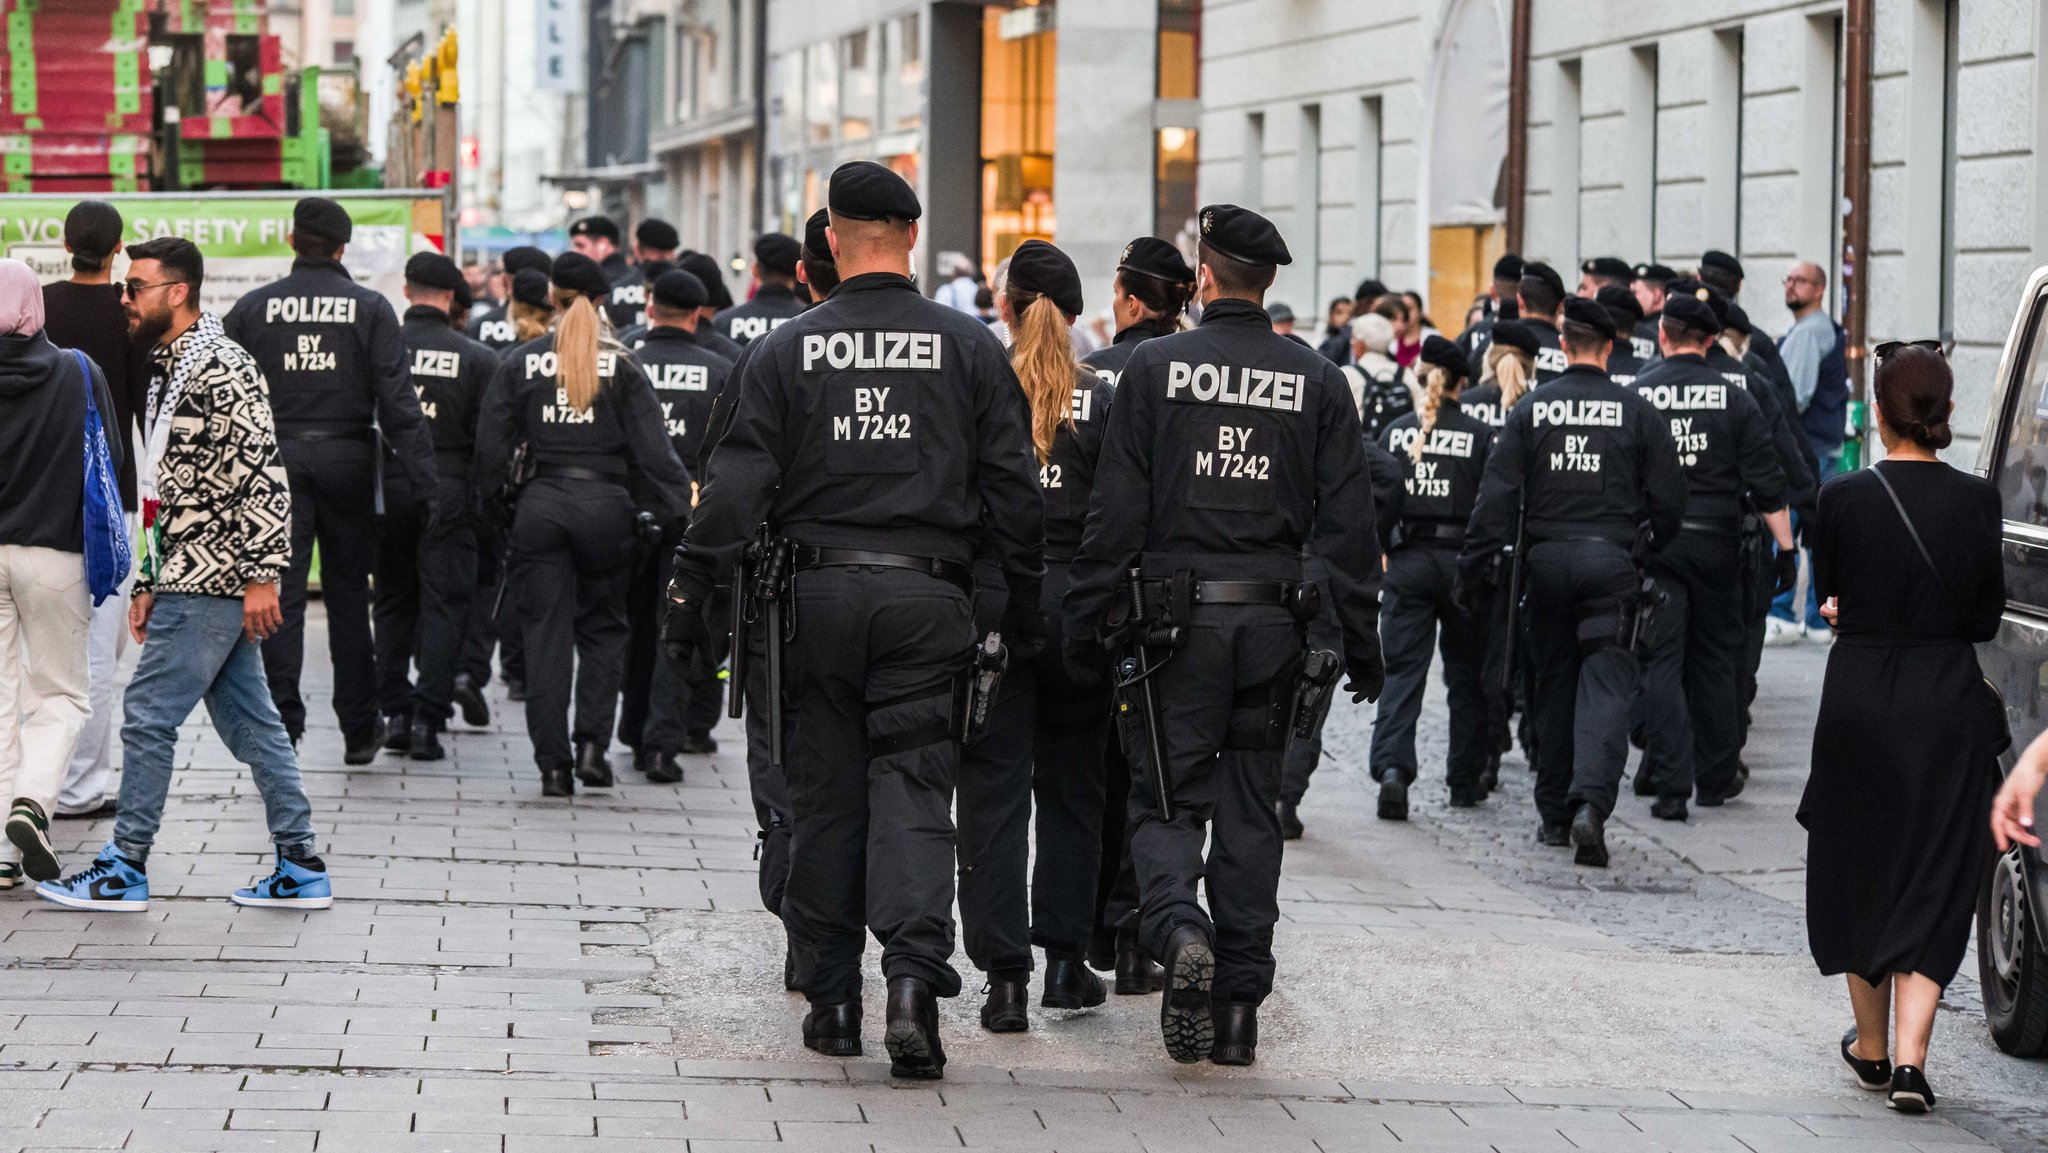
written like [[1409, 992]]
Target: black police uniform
[[573, 532], [666, 709], [1229, 451], [883, 434], [426, 570], [1550, 358], [331, 352], [494, 329], [627, 304], [1595, 463], [1422, 568], [1690, 685], [771, 306]]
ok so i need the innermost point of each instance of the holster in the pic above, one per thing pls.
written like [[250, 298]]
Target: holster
[[974, 690], [1276, 703], [1312, 691]]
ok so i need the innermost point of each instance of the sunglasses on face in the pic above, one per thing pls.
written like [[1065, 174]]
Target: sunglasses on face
[[1891, 346]]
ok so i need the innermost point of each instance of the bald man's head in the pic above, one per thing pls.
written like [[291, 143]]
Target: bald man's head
[[1806, 286]]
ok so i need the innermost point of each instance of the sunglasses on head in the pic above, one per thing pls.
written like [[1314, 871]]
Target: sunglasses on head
[[1891, 346]]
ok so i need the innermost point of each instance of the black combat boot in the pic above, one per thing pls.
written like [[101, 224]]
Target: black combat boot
[[1009, 990], [557, 782], [423, 743], [475, 710], [664, 769], [1136, 972], [362, 752], [1237, 1033], [913, 1031], [593, 768], [1589, 833], [1393, 798], [833, 1030], [397, 733], [1070, 985], [1669, 809], [1185, 1023]]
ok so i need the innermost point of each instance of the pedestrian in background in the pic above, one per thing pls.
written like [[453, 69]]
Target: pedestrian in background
[[84, 313], [961, 286], [1906, 746], [1814, 351], [45, 607], [207, 594]]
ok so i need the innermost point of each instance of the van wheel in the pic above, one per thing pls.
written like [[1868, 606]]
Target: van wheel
[[2012, 961]]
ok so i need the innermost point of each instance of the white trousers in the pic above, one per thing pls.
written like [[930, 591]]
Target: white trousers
[[89, 780], [45, 615]]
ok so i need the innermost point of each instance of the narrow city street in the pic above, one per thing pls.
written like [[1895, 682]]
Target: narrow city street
[[513, 974]]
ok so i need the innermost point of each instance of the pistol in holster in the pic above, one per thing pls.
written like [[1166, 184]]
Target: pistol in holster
[[1313, 693], [974, 691]]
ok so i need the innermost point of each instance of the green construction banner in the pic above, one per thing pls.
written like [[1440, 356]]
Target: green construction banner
[[242, 236]]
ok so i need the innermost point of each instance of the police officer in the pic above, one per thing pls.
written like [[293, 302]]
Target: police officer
[[498, 329], [1723, 273], [426, 570], [1603, 272], [1506, 376], [1623, 364], [655, 240], [1594, 468], [1689, 688], [884, 435], [595, 439], [1500, 305], [649, 271], [597, 237], [331, 351], [718, 299], [1229, 450], [1443, 455], [668, 710], [1539, 298], [1649, 286], [1148, 298], [775, 299]]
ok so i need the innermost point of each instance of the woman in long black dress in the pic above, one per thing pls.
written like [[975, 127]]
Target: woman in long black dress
[[1904, 751]]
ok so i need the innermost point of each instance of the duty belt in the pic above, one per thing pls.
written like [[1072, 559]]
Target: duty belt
[[1432, 531], [1279, 594], [313, 435], [1729, 526], [578, 472], [952, 572]]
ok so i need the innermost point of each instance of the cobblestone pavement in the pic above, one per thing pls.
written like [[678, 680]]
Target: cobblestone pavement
[[513, 974]]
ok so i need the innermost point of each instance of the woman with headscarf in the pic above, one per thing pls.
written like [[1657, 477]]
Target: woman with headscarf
[[594, 438], [45, 605]]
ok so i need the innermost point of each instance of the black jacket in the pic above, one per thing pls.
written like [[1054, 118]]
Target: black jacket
[[771, 306], [42, 443], [1550, 358], [450, 373], [494, 329], [1801, 489], [88, 317], [1723, 441], [877, 420], [687, 380], [1442, 487], [1068, 478], [1108, 363]]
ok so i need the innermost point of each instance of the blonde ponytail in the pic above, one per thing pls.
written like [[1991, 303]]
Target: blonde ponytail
[[1433, 381], [576, 340], [1511, 369], [1043, 355], [529, 321]]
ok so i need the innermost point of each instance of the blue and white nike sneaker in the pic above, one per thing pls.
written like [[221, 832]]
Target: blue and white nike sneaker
[[110, 884], [294, 885]]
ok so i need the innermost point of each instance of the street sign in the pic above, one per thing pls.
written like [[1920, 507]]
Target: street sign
[[558, 48]]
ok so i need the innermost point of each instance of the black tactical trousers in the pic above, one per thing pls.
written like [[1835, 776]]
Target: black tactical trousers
[[1690, 707], [1305, 753], [488, 606], [661, 703], [871, 764], [571, 540], [1585, 682], [426, 576], [334, 498], [1756, 610], [1415, 601], [1116, 883], [768, 784], [1215, 712]]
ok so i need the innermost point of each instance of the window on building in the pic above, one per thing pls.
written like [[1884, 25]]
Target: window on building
[[821, 92], [1173, 186], [903, 87], [857, 89], [787, 82], [688, 65], [1370, 179], [344, 51], [1180, 50], [1017, 137]]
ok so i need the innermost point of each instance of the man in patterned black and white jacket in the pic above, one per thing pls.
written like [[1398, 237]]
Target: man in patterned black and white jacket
[[217, 517]]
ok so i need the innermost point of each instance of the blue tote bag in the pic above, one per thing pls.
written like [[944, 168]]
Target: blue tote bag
[[107, 554]]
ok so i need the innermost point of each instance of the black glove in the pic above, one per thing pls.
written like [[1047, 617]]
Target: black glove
[[1786, 567], [1025, 631], [684, 634], [1087, 662], [1366, 676]]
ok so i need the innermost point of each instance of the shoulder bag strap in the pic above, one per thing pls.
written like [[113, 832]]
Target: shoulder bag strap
[[1940, 582]]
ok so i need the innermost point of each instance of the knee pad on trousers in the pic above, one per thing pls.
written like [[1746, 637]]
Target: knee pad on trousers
[[1261, 715]]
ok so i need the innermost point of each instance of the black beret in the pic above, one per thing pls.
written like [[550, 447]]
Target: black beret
[[530, 286], [1369, 289], [1715, 300], [1243, 235], [433, 270], [1539, 271], [465, 299], [1446, 354], [816, 247], [777, 252], [1609, 266], [651, 270], [1622, 304], [864, 190], [1715, 258], [1039, 268], [679, 289], [1515, 334], [659, 235], [1691, 312], [705, 268], [1579, 310], [1508, 267], [1153, 257], [1737, 319], [1655, 273], [598, 226], [580, 274], [319, 216], [526, 256]]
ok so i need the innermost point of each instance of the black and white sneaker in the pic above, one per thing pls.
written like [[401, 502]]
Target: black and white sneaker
[[29, 829]]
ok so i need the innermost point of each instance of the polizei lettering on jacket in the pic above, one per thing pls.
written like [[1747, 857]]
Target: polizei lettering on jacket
[[540, 365], [1686, 398], [681, 377], [1441, 442], [903, 351], [1577, 413], [435, 362], [500, 331], [746, 328], [1237, 385], [309, 310]]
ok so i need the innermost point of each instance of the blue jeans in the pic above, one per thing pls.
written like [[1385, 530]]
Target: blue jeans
[[1781, 607], [196, 651]]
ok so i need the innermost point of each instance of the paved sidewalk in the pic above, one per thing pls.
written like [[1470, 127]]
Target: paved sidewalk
[[511, 974]]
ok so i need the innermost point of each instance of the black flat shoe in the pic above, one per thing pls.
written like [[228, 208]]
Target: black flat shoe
[[1069, 985], [913, 1031], [423, 743], [700, 744], [1137, 974], [1185, 1023], [364, 751], [1237, 1034], [1465, 798], [1589, 833], [1393, 799], [1003, 1010], [397, 733], [515, 690], [557, 783], [1910, 1092], [593, 768], [664, 769], [1875, 1076], [476, 711], [1554, 836], [1290, 822], [833, 1030], [1714, 799], [1669, 809]]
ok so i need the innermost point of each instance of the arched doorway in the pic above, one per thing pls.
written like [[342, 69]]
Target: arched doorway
[[1468, 148]]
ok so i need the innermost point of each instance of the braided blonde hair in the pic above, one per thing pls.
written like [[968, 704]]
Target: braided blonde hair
[[1511, 368], [1435, 383]]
